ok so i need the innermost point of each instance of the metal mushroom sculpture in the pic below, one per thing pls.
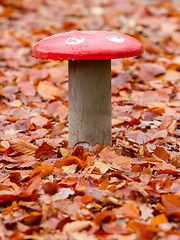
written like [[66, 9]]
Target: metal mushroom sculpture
[[89, 54]]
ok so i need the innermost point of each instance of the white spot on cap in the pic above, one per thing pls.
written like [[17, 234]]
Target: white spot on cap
[[74, 40], [115, 39]]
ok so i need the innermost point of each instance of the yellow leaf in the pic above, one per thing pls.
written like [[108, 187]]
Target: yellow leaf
[[70, 168], [15, 103]]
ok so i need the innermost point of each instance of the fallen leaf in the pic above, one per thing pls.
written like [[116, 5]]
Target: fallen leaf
[[45, 151], [33, 218], [101, 166], [114, 228], [159, 219], [27, 89], [39, 120], [63, 193], [70, 168], [34, 185], [15, 103], [171, 202], [47, 90], [148, 71], [172, 127], [172, 76], [78, 226], [23, 146], [50, 224], [82, 236], [69, 161], [166, 122], [146, 212], [128, 210], [42, 171], [161, 153]]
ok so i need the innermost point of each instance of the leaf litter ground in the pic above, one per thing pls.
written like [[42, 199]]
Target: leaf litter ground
[[129, 191]]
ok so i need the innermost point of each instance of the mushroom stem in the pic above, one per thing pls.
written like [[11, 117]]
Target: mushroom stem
[[90, 102]]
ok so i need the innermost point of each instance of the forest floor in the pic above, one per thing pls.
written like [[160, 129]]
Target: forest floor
[[130, 191]]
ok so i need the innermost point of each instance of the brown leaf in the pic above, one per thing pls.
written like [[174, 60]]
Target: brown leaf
[[32, 219], [78, 226], [47, 90], [146, 212], [104, 217], [148, 71], [166, 122], [164, 167], [45, 151], [128, 210], [63, 193], [82, 236], [23, 146], [27, 89], [34, 186], [114, 228], [172, 127], [101, 166], [142, 138], [175, 159], [39, 120], [161, 153], [22, 227], [122, 162], [50, 187], [22, 124], [98, 148], [96, 193], [50, 224], [108, 153], [39, 133], [172, 76]]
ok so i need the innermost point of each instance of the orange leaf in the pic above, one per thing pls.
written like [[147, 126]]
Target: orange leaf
[[104, 184], [128, 210], [161, 153], [157, 110], [42, 171], [86, 199], [171, 203], [103, 216], [2, 148], [69, 161], [141, 228], [159, 219]]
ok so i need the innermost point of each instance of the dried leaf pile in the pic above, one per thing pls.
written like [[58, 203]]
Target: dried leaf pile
[[130, 191]]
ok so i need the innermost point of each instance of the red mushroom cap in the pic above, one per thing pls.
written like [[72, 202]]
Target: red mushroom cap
[[87, 45]]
